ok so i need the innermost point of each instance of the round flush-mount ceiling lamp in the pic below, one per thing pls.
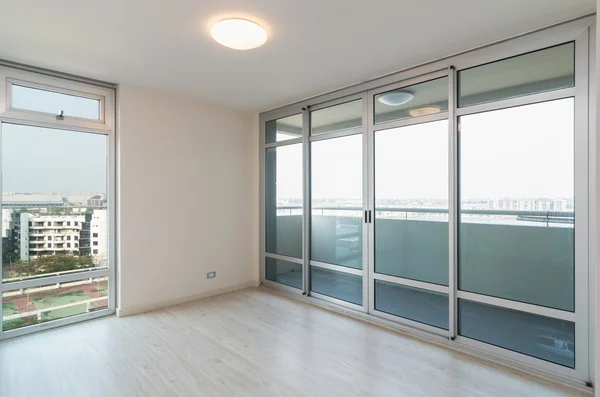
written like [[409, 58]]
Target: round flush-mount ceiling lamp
[[396, 98], [424, 111], [239, 34]]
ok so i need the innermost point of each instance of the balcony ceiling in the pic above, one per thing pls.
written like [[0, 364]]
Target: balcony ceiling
[[314, 46]]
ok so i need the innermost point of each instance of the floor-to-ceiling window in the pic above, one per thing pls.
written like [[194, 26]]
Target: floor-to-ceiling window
[[452, 198], [283, 201], [57, 157]]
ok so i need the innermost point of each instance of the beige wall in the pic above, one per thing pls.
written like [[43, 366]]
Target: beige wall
[[188, 195]]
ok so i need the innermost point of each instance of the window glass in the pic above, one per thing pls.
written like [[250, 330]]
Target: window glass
[[415, 304], [54, 102], [545, 70], [337, 118], [29, 306], [283, 183], [542, 337], [416, 100], [49, 177], [284, 129], [411, 202], [336, 223], [284, 272], [516, 231], [344, 286]]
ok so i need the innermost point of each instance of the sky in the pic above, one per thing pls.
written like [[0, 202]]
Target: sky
[[44, 160], [521, 152]]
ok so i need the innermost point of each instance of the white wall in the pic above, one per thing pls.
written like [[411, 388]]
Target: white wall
[[188, 195]]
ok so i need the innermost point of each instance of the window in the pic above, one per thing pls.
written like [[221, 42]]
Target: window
[[284, 129], [284, 205], [95, 252], [539, 267], [539, 71], [417, 100], [40, 100], [411, 202], [49, 168], [52, 302], [337, 118], [94, 243], [284, 272], [336, 204], [94, 234]]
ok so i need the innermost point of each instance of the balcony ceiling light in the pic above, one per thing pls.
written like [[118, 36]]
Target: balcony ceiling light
[[424, 111], [239, 34], [396, 98]]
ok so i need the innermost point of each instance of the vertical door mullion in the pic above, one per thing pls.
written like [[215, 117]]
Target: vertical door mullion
[[370, 204], [452, 204], [306, 200], [366, 235], [581, 180]]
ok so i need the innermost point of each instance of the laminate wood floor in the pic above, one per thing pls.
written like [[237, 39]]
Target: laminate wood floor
[[247, 343]]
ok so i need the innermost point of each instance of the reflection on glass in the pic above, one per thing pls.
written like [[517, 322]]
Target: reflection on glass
[[284, 272], [337, 118], [53, 197], [284, 129], [344, 286], [415, 304], [416, 100], [545, 338], [55, 102], [283, 194], [24, 307], [411, 202], [336, 223], [539, 71], [516, 235]]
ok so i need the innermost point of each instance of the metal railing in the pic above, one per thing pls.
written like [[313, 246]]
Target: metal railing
[[521, 215]]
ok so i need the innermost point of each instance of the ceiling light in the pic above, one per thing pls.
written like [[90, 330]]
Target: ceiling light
[[424, 111], [396, 98], [239, 34]]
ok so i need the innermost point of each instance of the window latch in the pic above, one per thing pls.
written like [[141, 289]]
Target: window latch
[[61, 115]]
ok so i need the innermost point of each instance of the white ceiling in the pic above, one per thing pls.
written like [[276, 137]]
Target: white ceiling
[[314, 46]]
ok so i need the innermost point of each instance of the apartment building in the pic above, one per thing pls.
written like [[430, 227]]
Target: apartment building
[[42, 235]]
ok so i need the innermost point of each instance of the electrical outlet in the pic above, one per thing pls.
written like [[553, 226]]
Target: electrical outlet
[[211, 274]]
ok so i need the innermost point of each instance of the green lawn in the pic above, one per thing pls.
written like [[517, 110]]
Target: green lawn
[[9, 309], [64, 312], [103, 289], [54, 300]]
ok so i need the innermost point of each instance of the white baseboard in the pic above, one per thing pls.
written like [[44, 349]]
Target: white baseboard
[[137, 309]]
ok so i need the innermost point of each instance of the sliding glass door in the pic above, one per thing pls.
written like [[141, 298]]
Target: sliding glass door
[[337, 254], [410, 251], [454, 201]]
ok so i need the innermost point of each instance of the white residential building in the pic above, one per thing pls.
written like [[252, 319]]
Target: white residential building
[[49, 235], [99, 237]]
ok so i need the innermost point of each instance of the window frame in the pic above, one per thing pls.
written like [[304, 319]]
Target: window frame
[[69, 85]]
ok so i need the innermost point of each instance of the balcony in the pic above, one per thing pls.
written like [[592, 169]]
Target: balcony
[[496, 247]]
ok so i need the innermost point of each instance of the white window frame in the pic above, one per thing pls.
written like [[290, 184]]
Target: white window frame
[[582, 32], [105, 126], [105, 96]]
